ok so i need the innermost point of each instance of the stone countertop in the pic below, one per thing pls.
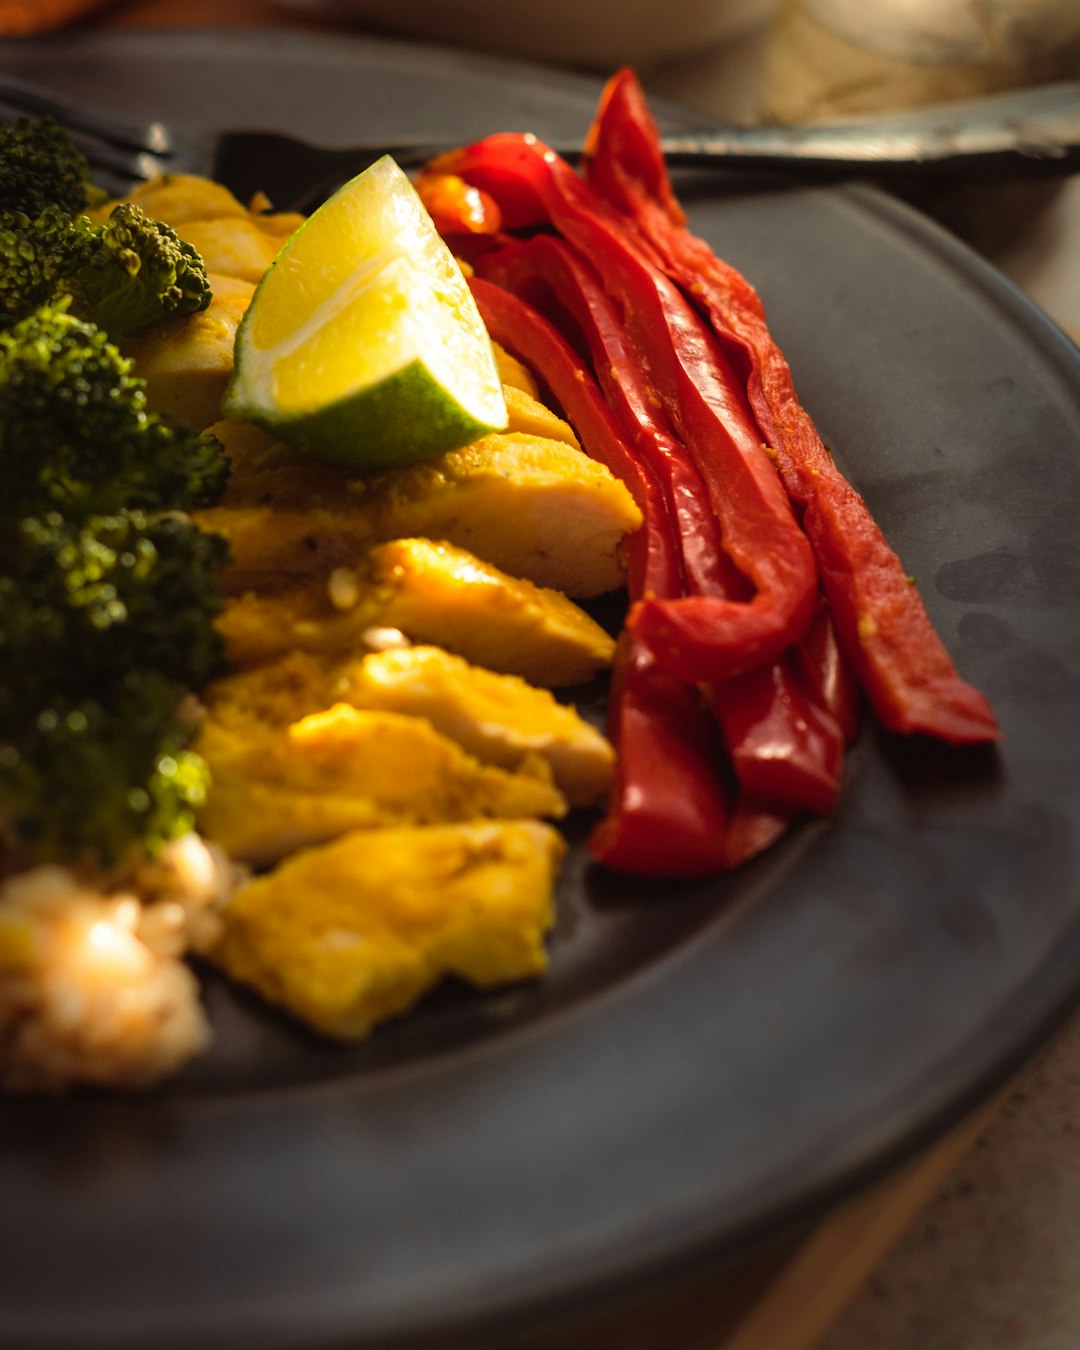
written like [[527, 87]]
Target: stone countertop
[[991, 1263]]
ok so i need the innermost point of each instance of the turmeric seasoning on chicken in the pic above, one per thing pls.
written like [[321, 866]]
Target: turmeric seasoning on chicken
[[500, 719], [396, 801], [434, 593], [349, 934], [275, 789], [534, 507]]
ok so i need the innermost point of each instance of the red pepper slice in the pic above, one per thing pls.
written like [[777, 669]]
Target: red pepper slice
[[786, 751], [828, 674], [668, 807], [880, 618], [785, 748], [551, 277], [699, 637]]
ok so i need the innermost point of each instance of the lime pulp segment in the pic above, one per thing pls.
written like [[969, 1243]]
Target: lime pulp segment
[[363, 343]]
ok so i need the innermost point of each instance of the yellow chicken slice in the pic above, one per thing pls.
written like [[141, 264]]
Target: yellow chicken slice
[[177, 198], [278, 223], [355, 932], [513, 373], [265, 469], [233, 239], [445, 596], [434, 593], [343, 768], [187, 362], [535, 508], [529, 417], [233, 246], [498, 718], [261, 823]]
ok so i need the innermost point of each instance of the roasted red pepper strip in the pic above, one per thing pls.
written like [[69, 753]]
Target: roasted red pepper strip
[[828, 674], [669, 813], [548, 274], [668, 806], [696, 638], [880, 618], [785, 750]]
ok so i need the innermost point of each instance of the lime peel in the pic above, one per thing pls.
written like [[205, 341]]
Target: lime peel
[[363, 344]]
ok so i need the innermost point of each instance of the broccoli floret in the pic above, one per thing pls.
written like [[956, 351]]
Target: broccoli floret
[[84, 603], [75, 433], [138, 271], [40, 166], [90, 782], [37, 256], [105, 625], [107, 592], [124, 275]]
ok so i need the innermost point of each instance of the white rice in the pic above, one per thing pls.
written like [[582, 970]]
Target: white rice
[[94, 988]]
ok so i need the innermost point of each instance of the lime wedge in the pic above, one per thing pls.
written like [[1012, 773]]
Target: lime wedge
[[363, 344]]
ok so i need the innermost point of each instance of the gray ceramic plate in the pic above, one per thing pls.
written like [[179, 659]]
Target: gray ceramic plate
[[706, 1062]]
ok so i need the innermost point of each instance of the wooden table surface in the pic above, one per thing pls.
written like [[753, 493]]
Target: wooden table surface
[[965, 1248]]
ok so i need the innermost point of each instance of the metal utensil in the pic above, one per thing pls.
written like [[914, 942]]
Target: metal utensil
[[1032, 131]]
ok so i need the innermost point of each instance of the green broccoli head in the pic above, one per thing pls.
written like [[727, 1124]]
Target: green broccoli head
[[137, 271], [41, 166], [105, 627], [84, 603], [75, 433], [92, 782], [37, 256], [122, 276], [130, 272]]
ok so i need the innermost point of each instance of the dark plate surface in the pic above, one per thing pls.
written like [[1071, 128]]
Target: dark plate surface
[[705, 1062]]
